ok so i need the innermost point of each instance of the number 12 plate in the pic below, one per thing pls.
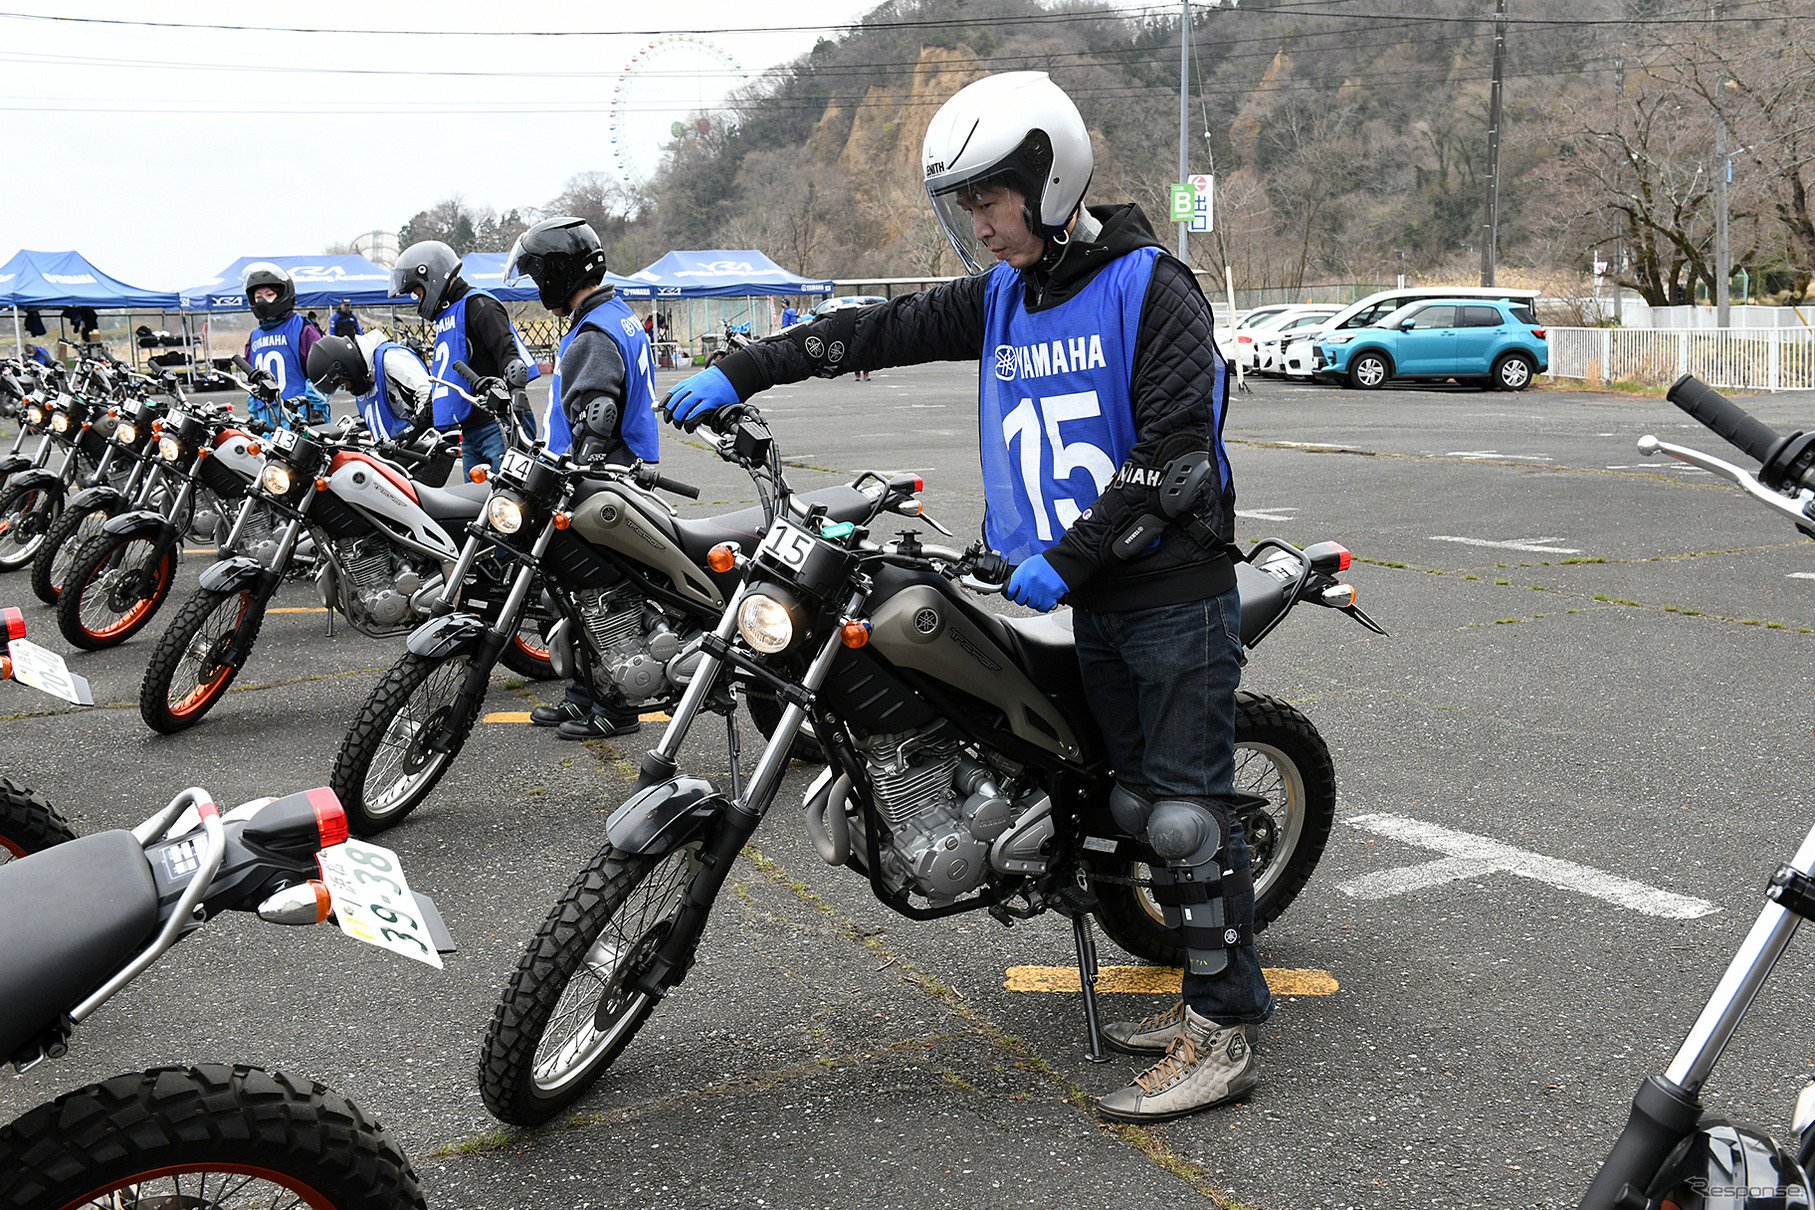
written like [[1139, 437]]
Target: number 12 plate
[[373, 902]]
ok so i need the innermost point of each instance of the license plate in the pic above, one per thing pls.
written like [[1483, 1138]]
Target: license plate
[[284, 440], [42, 668], [787, 544], [516, 465], [372, 900]]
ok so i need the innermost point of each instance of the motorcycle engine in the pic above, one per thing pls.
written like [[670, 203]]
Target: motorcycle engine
[[953, 825], [640, 655], [377, 586]]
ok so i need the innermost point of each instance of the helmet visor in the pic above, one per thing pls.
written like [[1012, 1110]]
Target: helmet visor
[[519, 266], [956, 221]]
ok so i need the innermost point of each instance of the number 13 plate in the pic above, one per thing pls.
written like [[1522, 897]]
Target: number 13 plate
[[373, 902]]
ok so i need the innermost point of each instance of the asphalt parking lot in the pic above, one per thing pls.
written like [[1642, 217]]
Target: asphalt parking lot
[[1596, 662]]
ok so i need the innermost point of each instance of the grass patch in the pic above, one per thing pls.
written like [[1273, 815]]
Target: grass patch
[[1506, 582], [1505, 621], [1567, 562]]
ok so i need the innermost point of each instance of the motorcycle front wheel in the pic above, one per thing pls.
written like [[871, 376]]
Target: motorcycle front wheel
[[186, 675], [385, 767], [28, 823], [63, 541], [569, 1010], [26, 514], [100, 604], [209, 1136], [1280, 757]]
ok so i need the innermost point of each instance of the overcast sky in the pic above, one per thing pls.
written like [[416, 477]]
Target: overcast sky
[[163, 154]]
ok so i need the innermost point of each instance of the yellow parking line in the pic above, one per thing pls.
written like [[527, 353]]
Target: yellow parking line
[[1156, 980], [522, 716], [299, 609]]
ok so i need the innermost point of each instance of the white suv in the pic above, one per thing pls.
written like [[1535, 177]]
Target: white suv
[[1301, 355]]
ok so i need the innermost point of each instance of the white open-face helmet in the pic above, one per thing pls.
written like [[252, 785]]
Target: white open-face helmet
[[1017, 129]]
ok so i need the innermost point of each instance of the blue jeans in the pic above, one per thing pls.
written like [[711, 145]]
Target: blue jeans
[[481, 443], [1161, 683]]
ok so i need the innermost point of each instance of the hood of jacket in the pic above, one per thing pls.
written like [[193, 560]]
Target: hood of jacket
[[1067, 268]]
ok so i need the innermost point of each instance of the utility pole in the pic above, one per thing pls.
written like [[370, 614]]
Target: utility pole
[[1184, 107], [1492, 225], [1723, 172]]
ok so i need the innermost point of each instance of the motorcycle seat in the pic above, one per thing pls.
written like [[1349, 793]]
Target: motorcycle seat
[[70, 917], [1047, 649], [457, 502], [745, 527]]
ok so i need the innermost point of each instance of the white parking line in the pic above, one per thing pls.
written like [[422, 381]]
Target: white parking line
[[1467, 855], [1533, 544], [1498, 455], [1266, 514], [1795, 575]]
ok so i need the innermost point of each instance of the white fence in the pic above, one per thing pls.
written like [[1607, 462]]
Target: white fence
[[1758, 359]]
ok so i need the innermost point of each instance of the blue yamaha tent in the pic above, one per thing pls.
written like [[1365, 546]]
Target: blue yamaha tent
[[721, 273], [485, 271], [321, 281], [66, 279]]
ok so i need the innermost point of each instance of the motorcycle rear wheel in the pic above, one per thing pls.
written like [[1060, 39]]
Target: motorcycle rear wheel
[[26, 514], [185, 678], [206, 1136], [568, 1013], [384, 768], [91, 613], [527, 654], [28, 823], [1279, 756], [68, 534]]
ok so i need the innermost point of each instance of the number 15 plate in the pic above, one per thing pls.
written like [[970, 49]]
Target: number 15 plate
[[373, 902]]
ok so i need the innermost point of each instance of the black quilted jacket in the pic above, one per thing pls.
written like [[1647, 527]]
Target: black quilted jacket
[[1178, 393]]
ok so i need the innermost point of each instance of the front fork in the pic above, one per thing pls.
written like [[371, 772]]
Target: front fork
[[269, 577], [168, 537], [491, 642]]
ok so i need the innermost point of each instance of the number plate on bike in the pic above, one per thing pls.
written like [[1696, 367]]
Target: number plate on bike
[[787, 545], [516, 465], [373, 902], [284, 440]]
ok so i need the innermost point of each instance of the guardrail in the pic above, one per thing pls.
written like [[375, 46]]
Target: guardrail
[[1757, 359]]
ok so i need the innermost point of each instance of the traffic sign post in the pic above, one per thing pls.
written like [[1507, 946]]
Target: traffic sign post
[[1203, 204]]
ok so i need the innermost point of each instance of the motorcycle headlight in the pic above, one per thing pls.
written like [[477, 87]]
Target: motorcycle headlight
[[504, 514], [35, 414], [765, 623], [59, 423], [126, 433], [169, 449], [277, 479]]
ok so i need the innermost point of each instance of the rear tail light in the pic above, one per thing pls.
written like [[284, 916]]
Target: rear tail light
[[1328, 557], [330, 816], [14, 621]]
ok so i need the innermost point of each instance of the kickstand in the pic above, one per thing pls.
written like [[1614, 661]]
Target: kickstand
[[1087, 980]]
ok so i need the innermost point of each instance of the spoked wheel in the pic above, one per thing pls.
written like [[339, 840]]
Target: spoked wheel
[[187, 673], [114, 587], [570, 1009], [210, 1137], [1279, 757], [28, 823], [387, 764], [527, 652], [27, 511], [68, 534]]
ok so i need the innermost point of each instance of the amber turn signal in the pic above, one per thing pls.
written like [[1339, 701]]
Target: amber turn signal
[[855, 633], [722, 558], [6, 667], [254, 448], [321, 484], [1339, 596], [477, 474], [563, 520]]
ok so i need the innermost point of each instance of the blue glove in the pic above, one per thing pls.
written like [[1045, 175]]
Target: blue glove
[[1036, 585], [689, 403]]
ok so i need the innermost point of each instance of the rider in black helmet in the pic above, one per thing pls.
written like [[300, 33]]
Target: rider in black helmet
[[280, 344], [600, 404], [471, 326]]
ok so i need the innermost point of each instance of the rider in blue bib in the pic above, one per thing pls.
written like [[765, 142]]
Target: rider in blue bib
[[1099, 382], [601, 405], [469, 326], [280, 344], [388, 382]]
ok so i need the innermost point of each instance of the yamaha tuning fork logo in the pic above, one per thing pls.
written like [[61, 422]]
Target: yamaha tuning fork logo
[[1047, 358]]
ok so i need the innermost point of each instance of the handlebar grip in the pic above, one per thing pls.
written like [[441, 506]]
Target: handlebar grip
[[241, 364], [1727, 419], [465, 371], [676, 486], [991, 568]]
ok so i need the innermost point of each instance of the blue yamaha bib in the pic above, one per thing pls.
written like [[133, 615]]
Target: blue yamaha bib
[[450, 346], [638, 426], [274, 350], [375, 405], [1055, 414]]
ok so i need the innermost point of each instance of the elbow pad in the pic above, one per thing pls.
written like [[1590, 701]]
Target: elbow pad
[[599, 416]]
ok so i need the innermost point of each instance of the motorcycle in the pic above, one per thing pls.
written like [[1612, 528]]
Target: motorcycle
[[81, 920], [625, 580], [118, 580], [28, 822], [1668, 1154], [385, 545], [76, 423], [964, 773], [734, 337]]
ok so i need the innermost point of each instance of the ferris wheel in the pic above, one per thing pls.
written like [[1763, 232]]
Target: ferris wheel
[[660, 95]]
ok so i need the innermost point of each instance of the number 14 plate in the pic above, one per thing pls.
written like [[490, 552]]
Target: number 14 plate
[[372, 900]]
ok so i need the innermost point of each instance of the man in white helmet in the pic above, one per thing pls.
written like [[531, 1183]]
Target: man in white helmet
[[1106, 483]]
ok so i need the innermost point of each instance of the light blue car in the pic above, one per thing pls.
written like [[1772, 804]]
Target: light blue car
[[1497, 345]]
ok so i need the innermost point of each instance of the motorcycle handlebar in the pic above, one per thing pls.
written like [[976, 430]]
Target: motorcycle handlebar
[[1727, 419], [242, 365], [467, 372], [652, 478]]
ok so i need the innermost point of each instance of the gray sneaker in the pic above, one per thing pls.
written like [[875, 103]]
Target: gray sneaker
[[1207, 1065], [1150, 1036]]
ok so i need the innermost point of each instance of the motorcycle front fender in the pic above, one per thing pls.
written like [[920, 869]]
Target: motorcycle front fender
[[41, 479], [99, 496], [445, 635], [660, 819], [142, 523], [12, 464], [229, 574]]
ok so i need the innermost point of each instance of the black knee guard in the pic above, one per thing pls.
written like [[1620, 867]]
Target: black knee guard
[[1195, 892]]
